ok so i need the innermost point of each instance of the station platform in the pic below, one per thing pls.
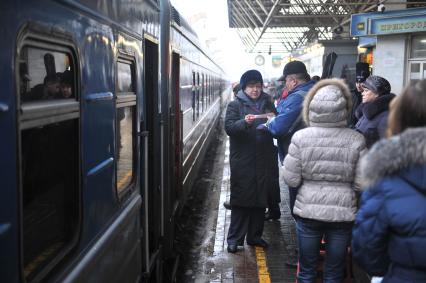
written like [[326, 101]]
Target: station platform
[[254, 264]]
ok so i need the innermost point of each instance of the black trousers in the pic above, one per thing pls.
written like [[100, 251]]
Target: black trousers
[[292, 193], [246, 222]]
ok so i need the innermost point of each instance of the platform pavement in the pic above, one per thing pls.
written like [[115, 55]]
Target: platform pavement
[[251, 264]]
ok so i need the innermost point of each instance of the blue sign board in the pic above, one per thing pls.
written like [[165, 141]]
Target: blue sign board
[[399, 21]]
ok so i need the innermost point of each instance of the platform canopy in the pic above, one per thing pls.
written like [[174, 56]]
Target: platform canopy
[[282, 26]]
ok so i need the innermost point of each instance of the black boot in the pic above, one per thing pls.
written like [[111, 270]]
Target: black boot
[[272, 214]]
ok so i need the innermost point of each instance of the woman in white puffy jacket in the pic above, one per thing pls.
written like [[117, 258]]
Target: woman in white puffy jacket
[[321, 162]]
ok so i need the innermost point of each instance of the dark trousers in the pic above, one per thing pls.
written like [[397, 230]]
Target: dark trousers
[[246, 222], [274, 207], [274, 195], [337, 239], [292, 198]]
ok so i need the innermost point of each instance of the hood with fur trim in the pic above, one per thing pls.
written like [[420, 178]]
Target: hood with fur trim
[[327, 104], [390, 156]]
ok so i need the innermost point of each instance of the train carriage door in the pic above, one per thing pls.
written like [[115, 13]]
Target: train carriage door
[[151, 152], [175, 151]]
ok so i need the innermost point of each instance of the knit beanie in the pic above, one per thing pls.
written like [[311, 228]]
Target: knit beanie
[[377, 84], [249, 77]]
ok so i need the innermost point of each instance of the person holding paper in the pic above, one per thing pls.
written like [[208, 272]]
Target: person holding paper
[[251, 152]]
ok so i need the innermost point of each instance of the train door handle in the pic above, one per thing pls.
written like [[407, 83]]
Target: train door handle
[[4, 107]]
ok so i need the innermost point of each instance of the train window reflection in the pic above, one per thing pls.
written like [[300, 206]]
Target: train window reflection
[[124, 148], [50, 193], [125, 121], [45, 74], [124, 78]]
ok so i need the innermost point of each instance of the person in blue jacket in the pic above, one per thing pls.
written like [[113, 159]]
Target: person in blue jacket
[[389, 236], [289, 120]]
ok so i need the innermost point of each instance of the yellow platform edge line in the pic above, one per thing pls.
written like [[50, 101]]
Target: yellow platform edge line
[[262, 268]]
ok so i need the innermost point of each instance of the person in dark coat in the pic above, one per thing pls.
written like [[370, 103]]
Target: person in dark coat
[[251, 152], [389, 236], [372, 113], [362, 71]]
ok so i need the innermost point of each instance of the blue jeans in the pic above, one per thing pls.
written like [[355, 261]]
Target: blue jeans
[[337, 237]]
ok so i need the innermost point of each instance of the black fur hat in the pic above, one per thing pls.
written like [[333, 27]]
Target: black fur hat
[[250, 76]]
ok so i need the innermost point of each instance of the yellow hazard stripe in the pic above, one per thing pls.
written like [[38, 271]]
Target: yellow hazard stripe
[[263, 273]]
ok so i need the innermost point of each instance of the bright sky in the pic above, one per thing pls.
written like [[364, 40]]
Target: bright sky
[[223, 42]]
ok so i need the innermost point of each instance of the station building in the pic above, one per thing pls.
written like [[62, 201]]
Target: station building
[[394, 43]]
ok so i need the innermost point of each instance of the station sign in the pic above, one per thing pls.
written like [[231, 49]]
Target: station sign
[[276, 61], [392, 22]]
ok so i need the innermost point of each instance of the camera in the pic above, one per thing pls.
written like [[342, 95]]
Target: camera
[[381, 7]]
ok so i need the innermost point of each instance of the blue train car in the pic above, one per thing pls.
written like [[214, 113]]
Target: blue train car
[[106, 110]]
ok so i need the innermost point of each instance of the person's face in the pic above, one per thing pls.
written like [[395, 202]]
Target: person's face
[[359, 87], [66, 90], [368, 95], [52, 88], [253, 90], [290, 83]]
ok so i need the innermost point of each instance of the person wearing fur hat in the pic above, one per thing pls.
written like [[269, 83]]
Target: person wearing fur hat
[[321, 162], [253, 161], [389, 235], [372, 113]]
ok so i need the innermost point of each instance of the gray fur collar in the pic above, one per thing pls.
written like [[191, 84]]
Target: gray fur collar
[[389, 156]]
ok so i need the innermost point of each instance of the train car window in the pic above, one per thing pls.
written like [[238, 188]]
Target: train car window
[[202, 93], [45, 74], [126, 117], [198, 95], [50, 192], [210, 89], [49, 172], [124, 78], [193, 96]]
